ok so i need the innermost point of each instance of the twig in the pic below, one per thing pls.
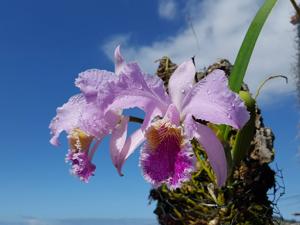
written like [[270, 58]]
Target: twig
[[135, 119], [296, 6], [266, 80]]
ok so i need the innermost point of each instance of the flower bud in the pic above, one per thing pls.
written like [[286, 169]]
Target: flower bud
[[249, 101]]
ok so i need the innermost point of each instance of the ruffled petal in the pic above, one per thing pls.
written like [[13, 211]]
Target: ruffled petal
[[212, 146], [119, 61], [134, 90], [67, 118], [211, 100], [166, 158], [167, 166], [88, 117], [157, 86], [92, 83], [117, 142], [133, 72], [82, 167], [181, 82], [97, 123]]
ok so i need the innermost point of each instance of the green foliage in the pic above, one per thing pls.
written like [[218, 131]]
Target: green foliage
[[244, 55], [245, 52], [246, 134]]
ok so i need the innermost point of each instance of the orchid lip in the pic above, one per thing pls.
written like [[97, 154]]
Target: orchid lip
[[81, 166], [166, 157], [79, 141], [80, 154]]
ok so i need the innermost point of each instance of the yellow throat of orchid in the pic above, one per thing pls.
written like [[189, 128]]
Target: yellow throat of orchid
[[79, 141], [163, 130]]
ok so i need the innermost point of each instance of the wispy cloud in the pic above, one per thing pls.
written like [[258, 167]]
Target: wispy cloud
[[34, 221], [220, 26], [167, 9], [26, 221]]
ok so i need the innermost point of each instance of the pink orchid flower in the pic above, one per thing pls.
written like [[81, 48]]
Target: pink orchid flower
[[84, 120], [169, 124]]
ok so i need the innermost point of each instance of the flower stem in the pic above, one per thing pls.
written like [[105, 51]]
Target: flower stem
[[135, 119], [296, 6], [266, 80]]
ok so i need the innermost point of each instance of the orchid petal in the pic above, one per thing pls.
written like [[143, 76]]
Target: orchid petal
[[134, 90], [157, 86], [117, 141], [173, 115], [97, 123], [212, 146], [88, 117], [211, 100], [151, 113], [92, 82], [134, 73], [67, 118], [181, 82], [131, 144], [119, 60]]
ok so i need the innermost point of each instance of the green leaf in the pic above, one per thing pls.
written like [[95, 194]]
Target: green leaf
[[245, 52], [243, 58], [246, 134]]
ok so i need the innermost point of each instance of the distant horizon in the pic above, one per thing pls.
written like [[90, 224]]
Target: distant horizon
[[93, 221], [80, 221]]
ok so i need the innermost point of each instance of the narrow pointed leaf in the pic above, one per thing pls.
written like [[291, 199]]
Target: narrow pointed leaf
[[245, 52], [244, 55]]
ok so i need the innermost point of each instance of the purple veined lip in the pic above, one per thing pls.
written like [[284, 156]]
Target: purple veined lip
[[165, 157]]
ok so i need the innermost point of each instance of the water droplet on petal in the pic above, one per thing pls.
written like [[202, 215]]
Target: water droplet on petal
[[182, 91], [229, 116]]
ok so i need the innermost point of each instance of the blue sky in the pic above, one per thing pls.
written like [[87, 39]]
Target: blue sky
[[44, 45]]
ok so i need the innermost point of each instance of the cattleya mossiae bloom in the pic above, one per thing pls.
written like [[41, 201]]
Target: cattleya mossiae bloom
[[84, 120], [169, 124]]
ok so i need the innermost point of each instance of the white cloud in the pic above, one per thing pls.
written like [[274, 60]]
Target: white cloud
[[220, 26], [34, 221], [167, 9]]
